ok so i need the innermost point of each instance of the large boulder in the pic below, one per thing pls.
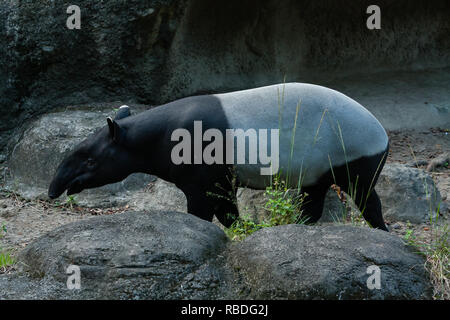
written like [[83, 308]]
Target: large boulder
[[408, 194], [47, 141], [251, 204], [328, 262], [159, 195], [134, 255]]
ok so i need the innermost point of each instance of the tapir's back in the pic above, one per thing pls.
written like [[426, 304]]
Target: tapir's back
[[330, 127]]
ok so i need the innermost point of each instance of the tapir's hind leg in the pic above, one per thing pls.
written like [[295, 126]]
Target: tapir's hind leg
[[367, 198], [363, 174], [372, 211], [368, 202]]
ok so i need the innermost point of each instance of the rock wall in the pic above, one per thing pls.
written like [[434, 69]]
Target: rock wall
[[150, 51]]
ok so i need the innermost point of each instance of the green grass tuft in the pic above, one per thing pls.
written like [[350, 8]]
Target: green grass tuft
[[6, 260], [6, 257], [283, 206], [436, 251]]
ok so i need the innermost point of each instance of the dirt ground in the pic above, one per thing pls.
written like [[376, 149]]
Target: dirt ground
[[25, 221]]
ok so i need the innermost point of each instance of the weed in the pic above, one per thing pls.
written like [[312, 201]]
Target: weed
[[7, 260], [243, 227], [3, 230], [71, 201], [283, 206], [436, 251]]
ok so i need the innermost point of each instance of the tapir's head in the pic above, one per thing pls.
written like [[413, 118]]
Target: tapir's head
[[100, 159]]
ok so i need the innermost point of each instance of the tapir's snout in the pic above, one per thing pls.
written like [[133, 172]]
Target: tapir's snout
[[59, 185], [60, 182], [52, 195], [55, 190]]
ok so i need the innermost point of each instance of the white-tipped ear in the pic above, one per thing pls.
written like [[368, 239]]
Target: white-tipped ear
[[110, 126], [123, 112], [115, 130]]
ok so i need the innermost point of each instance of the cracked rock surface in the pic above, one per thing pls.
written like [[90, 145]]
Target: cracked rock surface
[[329, 262]]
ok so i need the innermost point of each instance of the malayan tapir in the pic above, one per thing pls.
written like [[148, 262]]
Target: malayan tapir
[[324, 138]]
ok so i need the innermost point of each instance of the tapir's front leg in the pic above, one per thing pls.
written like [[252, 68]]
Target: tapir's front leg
[[226, 210], [205, 203], [198, 202]]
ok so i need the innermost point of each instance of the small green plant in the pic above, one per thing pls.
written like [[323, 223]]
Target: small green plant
[[409, 236], [6, 260], [243, 227], [283, 206], [3, 230], [71, 201]]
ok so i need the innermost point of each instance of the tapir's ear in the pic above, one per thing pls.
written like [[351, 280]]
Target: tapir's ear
[[114, 129], [123, 112]]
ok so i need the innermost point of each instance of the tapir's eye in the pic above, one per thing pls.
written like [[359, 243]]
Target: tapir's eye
[[90, 163]]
